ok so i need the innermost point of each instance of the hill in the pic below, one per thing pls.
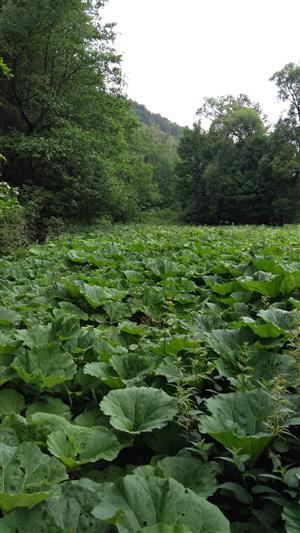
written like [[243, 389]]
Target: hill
[[148, 118]]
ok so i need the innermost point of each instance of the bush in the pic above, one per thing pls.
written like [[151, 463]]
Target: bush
[[12, 220]]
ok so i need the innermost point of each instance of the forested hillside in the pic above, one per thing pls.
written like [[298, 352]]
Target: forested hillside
[[146, 117]]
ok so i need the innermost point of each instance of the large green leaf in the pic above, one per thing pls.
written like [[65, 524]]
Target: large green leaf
[[135, 502], [191, 473], [41, 425], [10, 402], [8, 345], [36, 520], [71, 508], [105, 373], [132, 368], [238, 421], [95, 295], [164, 528], [77, 445], [270, 286], [45, 365], [27, 476], [284, 320], [8, 317], [48, 404], [138, 409], [127, 369], [15, 430], [224, 341]]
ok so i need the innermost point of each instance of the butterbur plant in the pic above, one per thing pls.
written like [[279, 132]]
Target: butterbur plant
[[176, 424]]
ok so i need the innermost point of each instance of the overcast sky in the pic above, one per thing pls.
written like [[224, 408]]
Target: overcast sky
[[175, 52]]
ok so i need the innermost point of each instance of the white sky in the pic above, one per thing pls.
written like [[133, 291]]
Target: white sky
[[175, 52]]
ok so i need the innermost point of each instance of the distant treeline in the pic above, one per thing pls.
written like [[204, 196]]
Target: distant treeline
[[77, 150], [241, 170]]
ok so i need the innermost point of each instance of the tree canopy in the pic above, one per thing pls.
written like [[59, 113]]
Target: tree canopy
[[240, 171]]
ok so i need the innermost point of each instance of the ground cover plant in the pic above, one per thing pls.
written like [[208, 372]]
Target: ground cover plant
[[149, 381]]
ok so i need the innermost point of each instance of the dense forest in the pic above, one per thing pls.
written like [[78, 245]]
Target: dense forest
[[75, 149]]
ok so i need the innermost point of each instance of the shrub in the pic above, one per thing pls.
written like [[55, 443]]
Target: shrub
[[12, 219]]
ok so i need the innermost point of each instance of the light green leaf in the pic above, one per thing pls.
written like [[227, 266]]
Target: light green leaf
[[224, 341], [14, 430], [41, 425], [105, 373], [238, 421], [131, 328], [136, 502], [71, 509], [268, 287], [80, 445], [192, 473], [8, 345], [170, 369], [8, 317], [27, 476], [36, 520], [164, 528], [48, 404], [138, 409], [132, 368], [45, 365], [284, 320], [10, 402]]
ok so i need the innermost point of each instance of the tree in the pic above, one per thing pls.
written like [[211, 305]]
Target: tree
[[158, 151], [220, 177], [194, 152], [288, 82], [65, 125]]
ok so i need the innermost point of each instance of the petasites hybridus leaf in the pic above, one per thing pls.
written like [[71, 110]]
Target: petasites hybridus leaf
[[138, 409], [47, 404], [79, 445], [238, 421], [72, 506], [164, 528], [190, 472], [46, 365], [135, 502], [27, 476], [10, 402], [36, 520], [127, 369]]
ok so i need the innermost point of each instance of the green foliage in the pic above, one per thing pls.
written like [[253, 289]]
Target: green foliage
[[158, 368], [139, 409], [12, 219], [76, 446], [237, 420], [27, 476], [155, 119], [65, 125], [136, 502], [238, 172]]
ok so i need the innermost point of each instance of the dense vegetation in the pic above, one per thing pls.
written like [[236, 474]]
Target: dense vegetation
[[148, 118], [149, 376], [78, 150], [241, 171], [150, 382]]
